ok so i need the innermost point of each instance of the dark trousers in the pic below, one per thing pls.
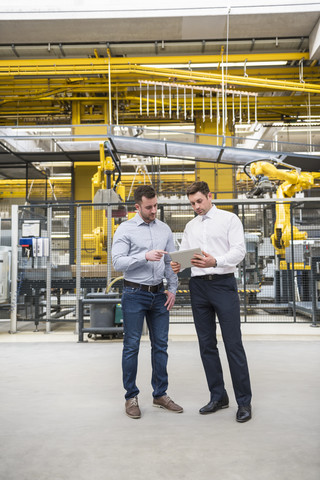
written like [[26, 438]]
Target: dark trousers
[[209, 298]]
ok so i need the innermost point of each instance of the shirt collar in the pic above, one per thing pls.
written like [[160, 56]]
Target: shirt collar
[[210, 213], [139, 220]]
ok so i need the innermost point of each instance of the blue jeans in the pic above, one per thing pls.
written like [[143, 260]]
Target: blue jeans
[[136, 305]]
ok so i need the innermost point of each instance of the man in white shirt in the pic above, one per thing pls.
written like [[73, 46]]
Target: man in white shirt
[[213, 290]]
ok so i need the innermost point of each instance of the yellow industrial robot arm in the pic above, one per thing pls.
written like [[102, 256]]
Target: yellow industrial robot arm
[[292, 181], [104, 190]]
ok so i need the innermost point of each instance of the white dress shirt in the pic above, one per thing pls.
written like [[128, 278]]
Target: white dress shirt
[[219, 233]]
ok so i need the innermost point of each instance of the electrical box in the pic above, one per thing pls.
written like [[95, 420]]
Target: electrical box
[[34, 247], [26, 244]]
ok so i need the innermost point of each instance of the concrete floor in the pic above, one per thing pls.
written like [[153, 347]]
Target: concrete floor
[[62, 413]]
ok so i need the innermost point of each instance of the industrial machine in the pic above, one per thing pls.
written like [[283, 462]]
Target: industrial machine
[[296, 272], [292, 181], [106, 189], [47, 277]]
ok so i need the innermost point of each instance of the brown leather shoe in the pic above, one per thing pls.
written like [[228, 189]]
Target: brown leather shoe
[[132, 408], [167, 403]]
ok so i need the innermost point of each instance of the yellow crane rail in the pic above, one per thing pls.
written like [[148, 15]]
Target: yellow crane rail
[[100, 66]]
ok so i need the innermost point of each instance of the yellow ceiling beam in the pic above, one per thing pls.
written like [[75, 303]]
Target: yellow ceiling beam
[[121, 80], [187, 76], [158, 60], [230, 79], [286, 100], [134, 107]]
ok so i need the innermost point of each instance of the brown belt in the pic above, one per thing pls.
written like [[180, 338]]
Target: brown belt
[[146, 288]]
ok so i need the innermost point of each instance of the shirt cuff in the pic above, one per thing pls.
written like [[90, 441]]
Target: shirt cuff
[[172, 290], [220, 262], [141, 257]]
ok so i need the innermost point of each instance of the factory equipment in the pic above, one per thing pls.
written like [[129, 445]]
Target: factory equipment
[[308, 298], [33, 245], [58, 259], [253, 268], [105, 189], [293, 181], [294, 275], [105, 315]]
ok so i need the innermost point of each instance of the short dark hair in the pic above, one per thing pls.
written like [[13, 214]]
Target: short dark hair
[[144, 191], [201, 187]]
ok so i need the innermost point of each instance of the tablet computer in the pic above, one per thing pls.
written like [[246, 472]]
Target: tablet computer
[[184, 256]]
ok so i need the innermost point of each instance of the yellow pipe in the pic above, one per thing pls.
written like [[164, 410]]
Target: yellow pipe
[[262, 102], [231, 79], [253, 57], [112, 283], [102, 68]]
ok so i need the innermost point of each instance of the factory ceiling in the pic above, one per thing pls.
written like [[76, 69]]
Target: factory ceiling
[[63, 67], [159, 69]]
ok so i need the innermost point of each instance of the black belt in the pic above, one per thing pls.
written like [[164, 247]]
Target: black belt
[[214, 276], [147, 288]]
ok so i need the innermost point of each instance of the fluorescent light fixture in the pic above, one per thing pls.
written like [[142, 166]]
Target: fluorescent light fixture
[[153, 130], [191, 172], [167, 133], [216, 64], [62, 176], [182, 215], [291, 126], [60, 235], [303, 129]]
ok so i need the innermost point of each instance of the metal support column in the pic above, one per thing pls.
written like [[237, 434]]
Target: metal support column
[[292, 268], [48, 266], [244, 263], [315, 275], [78, 266], [14, 268]]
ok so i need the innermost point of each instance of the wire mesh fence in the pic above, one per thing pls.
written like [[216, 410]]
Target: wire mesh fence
[[63, 256]]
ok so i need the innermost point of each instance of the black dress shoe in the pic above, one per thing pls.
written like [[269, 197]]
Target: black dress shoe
[[244, 413], [213, 406]]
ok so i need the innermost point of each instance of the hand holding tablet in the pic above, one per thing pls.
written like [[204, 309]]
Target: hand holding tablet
[[183, 257]]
